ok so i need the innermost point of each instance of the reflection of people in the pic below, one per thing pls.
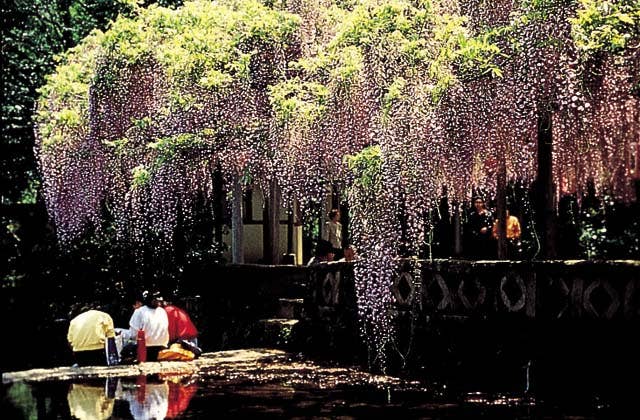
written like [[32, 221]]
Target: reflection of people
[[180, 395], [513, 233], [87, 335], [333, 232], [90, 401], [480, 223], [148, 399], [150, 317], [324, 253]]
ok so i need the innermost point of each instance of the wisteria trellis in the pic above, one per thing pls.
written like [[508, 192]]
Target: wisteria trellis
[[436, 92]]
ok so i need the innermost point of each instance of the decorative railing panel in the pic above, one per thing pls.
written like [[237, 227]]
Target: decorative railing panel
[[546, 290]]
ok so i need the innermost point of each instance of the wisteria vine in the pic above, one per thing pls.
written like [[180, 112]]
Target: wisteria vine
[[425, 96]]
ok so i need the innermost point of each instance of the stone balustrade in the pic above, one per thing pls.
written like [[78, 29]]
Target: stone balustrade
[[603, 290]]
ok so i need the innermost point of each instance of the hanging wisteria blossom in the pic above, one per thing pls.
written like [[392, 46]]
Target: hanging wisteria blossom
[[394, 101]]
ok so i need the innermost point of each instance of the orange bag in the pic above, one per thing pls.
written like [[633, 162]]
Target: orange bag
[[176, 352]]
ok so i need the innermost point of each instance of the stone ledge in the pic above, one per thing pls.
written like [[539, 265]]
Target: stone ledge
[[207, 360]]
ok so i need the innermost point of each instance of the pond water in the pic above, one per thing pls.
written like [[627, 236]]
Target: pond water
[[282, 386]]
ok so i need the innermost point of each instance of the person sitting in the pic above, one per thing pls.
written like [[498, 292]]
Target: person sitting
[[150, 317], [87, 335], [324, 253], [181, 329]]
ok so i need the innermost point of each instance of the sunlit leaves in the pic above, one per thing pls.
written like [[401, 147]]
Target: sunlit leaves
[[606, 25], [366, 167], [297, 100], [140, 177]]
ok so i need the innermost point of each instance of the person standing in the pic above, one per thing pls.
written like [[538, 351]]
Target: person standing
[[480, 225], [333, 232], [514, 232], [87, 335]]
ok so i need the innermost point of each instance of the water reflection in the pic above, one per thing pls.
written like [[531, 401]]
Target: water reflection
[[156, 397], [153, 397], [250, 384], [91, 401]]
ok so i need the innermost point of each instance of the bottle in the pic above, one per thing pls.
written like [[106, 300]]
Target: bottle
[[113, 358], [141, 347]]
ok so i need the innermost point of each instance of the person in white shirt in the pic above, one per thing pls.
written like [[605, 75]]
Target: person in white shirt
[[150, 317], [333, 232]]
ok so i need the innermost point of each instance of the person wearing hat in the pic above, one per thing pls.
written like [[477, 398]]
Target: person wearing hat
[[150, 317]]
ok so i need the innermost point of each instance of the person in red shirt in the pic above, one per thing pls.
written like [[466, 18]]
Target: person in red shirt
[[181, 329]]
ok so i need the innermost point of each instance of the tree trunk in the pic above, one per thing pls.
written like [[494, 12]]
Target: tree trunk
[[457, 229], [218, 202], [237, 227], [546, 205], [271, 225], [501, 197]]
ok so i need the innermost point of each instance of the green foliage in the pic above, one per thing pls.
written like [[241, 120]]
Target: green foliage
[[34, 32], [366, 167], [162, 150], [64, 99], [30, 194], [394, 92], [477, 55], [167, 147], [606, 26], [298, 100], [606, 229], [403, 43], [140, 176], [210, 44], [119, 146]]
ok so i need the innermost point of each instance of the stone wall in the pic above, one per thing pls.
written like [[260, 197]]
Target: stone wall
[[554, 325]]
